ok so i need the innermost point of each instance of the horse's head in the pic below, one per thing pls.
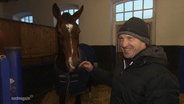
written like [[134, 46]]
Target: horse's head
[[68, 36]]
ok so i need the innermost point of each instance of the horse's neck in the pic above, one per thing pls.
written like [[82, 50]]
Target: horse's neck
[[59, 62], [60, 48]]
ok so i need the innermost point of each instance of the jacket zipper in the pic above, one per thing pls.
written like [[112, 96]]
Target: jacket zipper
[[125, 67]]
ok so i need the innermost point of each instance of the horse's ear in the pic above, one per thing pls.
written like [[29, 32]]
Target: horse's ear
[[56, 11], [77, 14]]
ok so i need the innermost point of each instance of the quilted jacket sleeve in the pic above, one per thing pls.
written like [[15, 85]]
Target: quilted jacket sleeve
[[163, 89], [102, 76]]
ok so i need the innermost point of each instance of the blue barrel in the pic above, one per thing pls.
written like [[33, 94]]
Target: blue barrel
[[4, 81], [13, 55], [181, 69]]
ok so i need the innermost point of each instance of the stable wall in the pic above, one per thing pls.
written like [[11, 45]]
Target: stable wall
[[35, 41], [95, 21], [40, 9], [169, 22], [1, 9]]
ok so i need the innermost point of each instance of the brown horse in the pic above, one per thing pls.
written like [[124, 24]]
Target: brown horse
[[69, 80], [68, 38]]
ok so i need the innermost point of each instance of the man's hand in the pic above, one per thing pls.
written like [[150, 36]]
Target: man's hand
[[86, 65]]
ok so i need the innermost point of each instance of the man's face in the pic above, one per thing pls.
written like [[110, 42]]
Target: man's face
[[130, 45]]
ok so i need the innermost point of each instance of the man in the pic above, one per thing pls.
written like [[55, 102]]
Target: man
[[142, 77]]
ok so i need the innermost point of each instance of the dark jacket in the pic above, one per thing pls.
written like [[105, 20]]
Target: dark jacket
[[146, 81]]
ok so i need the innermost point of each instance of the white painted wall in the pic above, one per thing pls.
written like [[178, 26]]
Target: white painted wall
[[95, 21], [40, 9], [170, 22], [1, 10]]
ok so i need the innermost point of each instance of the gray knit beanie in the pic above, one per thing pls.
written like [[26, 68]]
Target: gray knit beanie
[[135, 27]]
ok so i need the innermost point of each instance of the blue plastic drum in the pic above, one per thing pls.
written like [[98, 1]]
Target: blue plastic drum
[[13, 55], [4, 81]]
